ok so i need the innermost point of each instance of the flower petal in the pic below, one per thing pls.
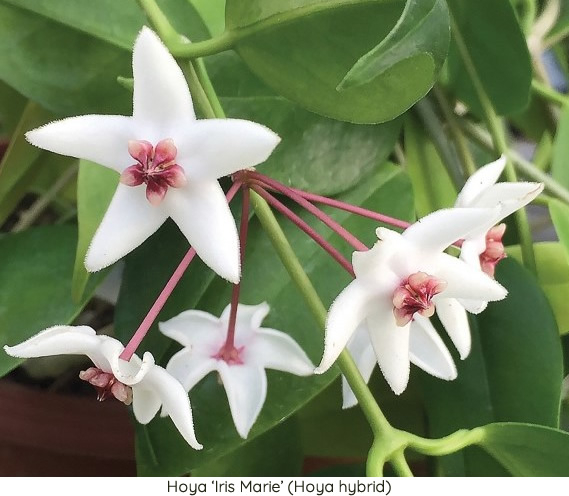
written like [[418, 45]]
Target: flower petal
[[455, 321], [464, 281], [190, 367], [428, 351], [250, 316], [102, 139], [246, 388], [128, 372], [194, 328], [174, 400], [473, 306], [161, 100], [63, 340], [202, 214], [437, 231], [482, 179], [391, 345], [274, 349], [128, 222], [145, 403], [509, 196], [348, 310], [213, 148], [363, 354]]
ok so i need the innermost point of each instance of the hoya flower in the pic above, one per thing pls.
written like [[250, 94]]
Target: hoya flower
[[483, 248], [140, 382], [241, 367], [399, 284], [168, 162]]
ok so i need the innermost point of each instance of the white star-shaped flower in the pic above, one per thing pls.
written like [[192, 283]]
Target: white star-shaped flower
[[399, 284], [242, 369], [483, 247], [169, 163], [140, 382]]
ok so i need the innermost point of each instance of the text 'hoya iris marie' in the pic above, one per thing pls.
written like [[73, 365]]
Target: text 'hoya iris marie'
[[169, 163], [243, 374], [399, 284], [142, 382]]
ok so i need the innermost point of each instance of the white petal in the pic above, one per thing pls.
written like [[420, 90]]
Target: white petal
[[102, 139], [473, 306], [509, 196], [428, 351], [145, 403], [246, 388], [346, 313], [437, 231], [189, 367], [63, 340], [161, 99], [131, 372], [213, 148], [128, 222], [364, 356], [175, 401], [274, 349], [391, 345], [247, 315], [375, 263], [202, 214], [455, 321], [482, 179], [464, 281], [471, 250], [193, 328]]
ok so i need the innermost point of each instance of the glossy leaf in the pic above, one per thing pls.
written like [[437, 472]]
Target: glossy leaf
[[280, 40], [553, 276], [95, 188], [161, 450], [498, 50], [528, 450], [423, 29], [432, 186], [516, 350], [36, 285], [12, 105]]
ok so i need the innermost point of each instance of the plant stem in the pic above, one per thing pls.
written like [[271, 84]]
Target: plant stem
[[161, 23], [147, 322], [199, 95], [400, 465], [549, 93], [301, 224], [499, 139], [460, 143]]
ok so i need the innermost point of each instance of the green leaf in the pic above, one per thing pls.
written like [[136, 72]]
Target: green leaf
[[559, 165], [276, 453], [12, 105], [419, 32], [528, 450], [88, 48], [553, 276], [432, 186], [498, 50], [161, 449], [513, 373], [304, 48], [95, 188], [213, 14], [36, 285]]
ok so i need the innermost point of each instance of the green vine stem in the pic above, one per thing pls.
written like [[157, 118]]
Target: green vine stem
[[549, 93], [500, 144]]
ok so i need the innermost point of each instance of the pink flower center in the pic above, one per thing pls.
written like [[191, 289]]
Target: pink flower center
[[156, 168], [230, 354], [414, 295], [494, 249], [107, 385]]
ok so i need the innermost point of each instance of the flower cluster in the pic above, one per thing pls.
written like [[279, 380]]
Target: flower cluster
[[168, 164]]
